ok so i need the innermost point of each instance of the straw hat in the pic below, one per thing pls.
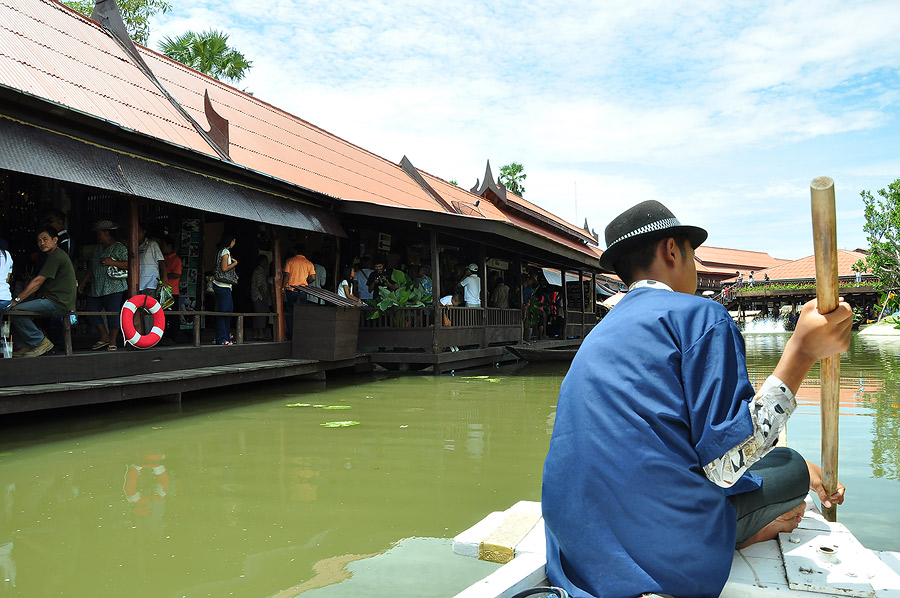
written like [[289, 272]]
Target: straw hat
[[104, 225]]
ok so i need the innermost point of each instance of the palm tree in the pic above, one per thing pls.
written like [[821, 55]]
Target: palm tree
[[207, 52]]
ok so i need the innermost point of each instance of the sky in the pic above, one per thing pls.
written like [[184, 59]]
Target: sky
[[723, 111]]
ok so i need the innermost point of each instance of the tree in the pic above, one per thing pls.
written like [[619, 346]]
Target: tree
[[135, 13], [512, 176], [207, 52], [883, 231]]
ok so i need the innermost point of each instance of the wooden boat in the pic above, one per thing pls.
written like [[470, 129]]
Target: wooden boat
[[543, 353], [819, 558]]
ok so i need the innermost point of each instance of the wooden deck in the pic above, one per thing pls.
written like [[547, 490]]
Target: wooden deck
[[103, 377]]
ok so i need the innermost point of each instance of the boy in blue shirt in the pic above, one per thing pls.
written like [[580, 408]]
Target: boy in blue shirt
[[660, 447]]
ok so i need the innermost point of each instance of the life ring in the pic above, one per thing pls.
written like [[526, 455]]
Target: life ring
[[126, 319], [160, 489]]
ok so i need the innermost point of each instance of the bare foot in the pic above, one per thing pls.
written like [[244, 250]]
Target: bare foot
[[782, 524]]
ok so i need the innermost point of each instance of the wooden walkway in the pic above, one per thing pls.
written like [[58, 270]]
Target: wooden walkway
[[15, 399]]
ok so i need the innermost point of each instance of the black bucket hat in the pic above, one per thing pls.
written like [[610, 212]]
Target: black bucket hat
[[642, 223]]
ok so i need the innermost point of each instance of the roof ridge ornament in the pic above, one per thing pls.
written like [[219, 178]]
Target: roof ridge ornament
[[106, 13], [489, 184], [591, 233], [413, 172], [218, 125]]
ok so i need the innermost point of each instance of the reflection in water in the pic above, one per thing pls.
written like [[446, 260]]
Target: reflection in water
[[240, 495]]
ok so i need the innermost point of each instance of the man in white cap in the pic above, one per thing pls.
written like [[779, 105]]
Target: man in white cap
[[663, 458], [471, 285]]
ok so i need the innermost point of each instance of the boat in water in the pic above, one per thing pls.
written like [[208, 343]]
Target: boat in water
[[819, 558], [537, 354]]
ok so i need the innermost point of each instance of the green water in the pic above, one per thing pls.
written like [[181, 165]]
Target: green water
[[240, 495]]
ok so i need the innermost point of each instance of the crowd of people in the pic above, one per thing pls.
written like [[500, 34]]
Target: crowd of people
[[48, 285], [48, 288]]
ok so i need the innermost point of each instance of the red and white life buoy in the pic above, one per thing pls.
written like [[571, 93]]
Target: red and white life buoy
[[126, 318]]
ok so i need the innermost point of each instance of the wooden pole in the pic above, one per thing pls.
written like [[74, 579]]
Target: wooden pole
[[438, 318], [824, 224], [279, 329], [134, 260]]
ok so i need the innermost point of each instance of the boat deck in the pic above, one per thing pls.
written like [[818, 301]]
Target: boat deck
[[819, 558]]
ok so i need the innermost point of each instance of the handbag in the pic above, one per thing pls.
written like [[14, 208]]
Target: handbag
[[114, 272], [229, 277]]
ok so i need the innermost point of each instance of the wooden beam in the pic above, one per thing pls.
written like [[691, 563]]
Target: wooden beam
[[565, 302], [279, 295], [583, 301], [435, 292], [134, 261]]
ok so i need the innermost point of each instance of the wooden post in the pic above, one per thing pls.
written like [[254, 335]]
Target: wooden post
[[436, 293], [134, 261], [196, 330], [824, 224], [67, 332], [483, 266], [279, 295], [240, 329], [583, 300], [565, 303], [484, 297]]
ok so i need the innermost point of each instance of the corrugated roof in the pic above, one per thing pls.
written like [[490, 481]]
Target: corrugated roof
[[806, 267], [735, 259], [524, 203], [455, 194], [53, 52], [267, 139]]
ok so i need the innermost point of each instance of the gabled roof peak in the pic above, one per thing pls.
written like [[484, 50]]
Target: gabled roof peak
[[495, 187]]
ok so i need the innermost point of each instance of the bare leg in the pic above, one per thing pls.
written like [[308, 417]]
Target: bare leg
[[784, 523], [104, 335]]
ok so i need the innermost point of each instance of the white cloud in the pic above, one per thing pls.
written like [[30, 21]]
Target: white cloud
[[685, 103]]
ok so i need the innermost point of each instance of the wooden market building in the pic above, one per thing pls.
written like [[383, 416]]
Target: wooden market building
[[102, 128]]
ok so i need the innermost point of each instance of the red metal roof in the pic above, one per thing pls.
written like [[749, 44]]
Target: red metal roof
[[721, 257], [51, 51], [466, 199], [806, 267], [55, 53], [269, 140]]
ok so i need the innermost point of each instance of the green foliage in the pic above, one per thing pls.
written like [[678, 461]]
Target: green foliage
[[135, 13], [452, 182], [207, 52], [533, 312], [788, 286], [407, 294], [513, 176], [882, 228]]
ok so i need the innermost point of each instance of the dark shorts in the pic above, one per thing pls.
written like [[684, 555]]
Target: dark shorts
[[111, 303], [785, 485]]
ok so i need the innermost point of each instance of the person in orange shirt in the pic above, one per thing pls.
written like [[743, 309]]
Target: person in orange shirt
[[173, 279], [298, 273]]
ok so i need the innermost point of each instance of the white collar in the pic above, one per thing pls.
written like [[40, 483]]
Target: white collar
[[652, 284]]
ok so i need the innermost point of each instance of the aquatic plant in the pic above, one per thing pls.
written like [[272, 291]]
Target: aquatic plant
[[407, 294]]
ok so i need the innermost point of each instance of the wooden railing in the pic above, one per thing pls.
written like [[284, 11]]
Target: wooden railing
[[195, 315], [496, 316], [400, 317], [471, 317]]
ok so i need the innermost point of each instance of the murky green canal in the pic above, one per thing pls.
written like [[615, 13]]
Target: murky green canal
[[246, 493]]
